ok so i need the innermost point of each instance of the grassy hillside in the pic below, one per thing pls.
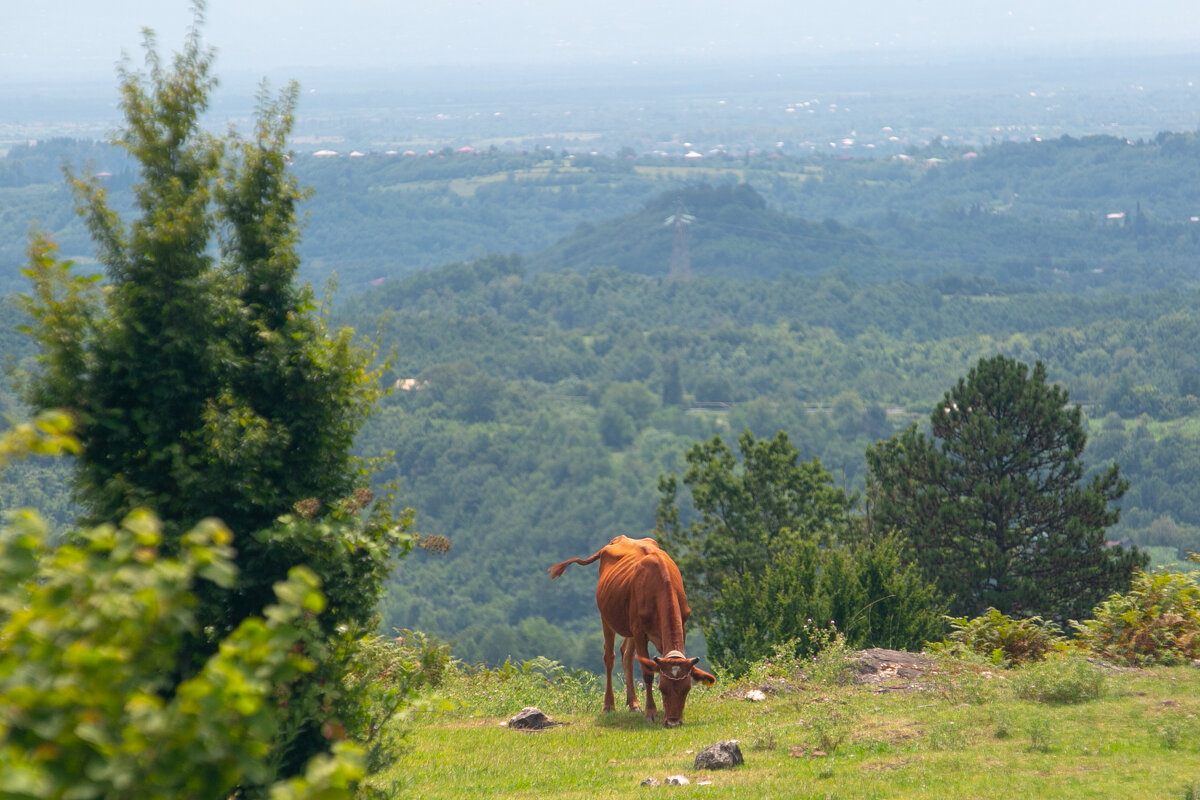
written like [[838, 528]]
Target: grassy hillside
[[960, 730]]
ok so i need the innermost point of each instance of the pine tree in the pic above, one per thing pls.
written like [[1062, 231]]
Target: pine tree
[[993, 503]]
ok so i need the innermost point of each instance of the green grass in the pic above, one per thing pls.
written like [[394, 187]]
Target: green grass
[[965, 734]]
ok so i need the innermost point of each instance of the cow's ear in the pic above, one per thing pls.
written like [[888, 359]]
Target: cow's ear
[[647, 663], [707, 678]]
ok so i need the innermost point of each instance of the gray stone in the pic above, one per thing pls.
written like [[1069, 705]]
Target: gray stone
[[531, 718], [649, 782], [722, 755], [677, 780]]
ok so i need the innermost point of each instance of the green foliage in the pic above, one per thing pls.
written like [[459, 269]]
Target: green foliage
[[1059, 679], [203, 382], [1002, 639], [763, 559], [49, 434], [1156, 622], [819, 655], [840, 587], [993, 503], [747, 513], [199, 387], [91, 633], [1039, 735], [829, 657]]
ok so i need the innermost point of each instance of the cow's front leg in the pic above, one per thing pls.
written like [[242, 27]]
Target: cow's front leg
[[631, 700], [648, 679], [609, 658]]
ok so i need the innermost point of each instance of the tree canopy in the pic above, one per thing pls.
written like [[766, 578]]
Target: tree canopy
[[766, 560], [993, 503], [204, 382]]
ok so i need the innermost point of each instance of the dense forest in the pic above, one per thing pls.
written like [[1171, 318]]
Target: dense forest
[[539, 394]]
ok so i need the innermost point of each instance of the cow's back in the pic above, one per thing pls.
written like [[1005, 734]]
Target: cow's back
[[632, 574]]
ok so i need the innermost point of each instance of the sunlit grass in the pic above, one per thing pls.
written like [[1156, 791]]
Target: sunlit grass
[[964, 733]]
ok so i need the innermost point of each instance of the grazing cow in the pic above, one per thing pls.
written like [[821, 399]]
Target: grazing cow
[[640, 596]]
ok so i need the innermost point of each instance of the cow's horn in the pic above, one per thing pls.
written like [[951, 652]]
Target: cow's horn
[[674, 654]]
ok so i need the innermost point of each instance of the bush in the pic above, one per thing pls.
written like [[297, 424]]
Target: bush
[[1062, 679], [91, 632], [1001, 639], [1156, 622], [868, 597]]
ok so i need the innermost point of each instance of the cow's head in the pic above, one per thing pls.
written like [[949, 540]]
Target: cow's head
[[675, 675]]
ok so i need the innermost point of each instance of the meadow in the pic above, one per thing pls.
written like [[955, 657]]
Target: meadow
[[1068, 727]]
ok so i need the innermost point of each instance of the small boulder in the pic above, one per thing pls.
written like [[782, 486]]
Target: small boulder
[[677, 780], [722, 755], [531, 718], [649, 782]]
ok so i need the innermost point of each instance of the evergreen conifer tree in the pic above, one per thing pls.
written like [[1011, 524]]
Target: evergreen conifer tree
[[203, 381], [993, 503]]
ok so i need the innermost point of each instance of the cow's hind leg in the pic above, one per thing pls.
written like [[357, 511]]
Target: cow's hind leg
[[609, 658], [627, 664]]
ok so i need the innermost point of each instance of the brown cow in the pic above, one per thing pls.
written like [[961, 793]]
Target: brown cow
[[640, 596]]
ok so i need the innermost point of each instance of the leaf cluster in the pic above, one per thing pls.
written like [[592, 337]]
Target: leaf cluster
[[1000, 638], [767, 551], [1156, 622], [90, 635]]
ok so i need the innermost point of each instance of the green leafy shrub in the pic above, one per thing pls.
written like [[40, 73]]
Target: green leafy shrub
[[1001, 639], [830, 663], [1060, 679], [1156, 622], [91, 633]]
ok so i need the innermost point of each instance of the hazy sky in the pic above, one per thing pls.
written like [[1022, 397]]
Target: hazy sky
[[43, 39]]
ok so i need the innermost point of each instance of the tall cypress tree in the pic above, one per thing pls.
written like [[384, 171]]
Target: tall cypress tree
[[204, 382], [993, 501]]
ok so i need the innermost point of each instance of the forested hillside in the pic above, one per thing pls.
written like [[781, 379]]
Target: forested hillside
[[534, 412], [540, 396]]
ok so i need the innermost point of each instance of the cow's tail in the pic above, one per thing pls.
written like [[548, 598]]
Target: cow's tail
[[559, 569]]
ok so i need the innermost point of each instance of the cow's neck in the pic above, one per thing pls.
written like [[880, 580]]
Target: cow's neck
[[670, 619]]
